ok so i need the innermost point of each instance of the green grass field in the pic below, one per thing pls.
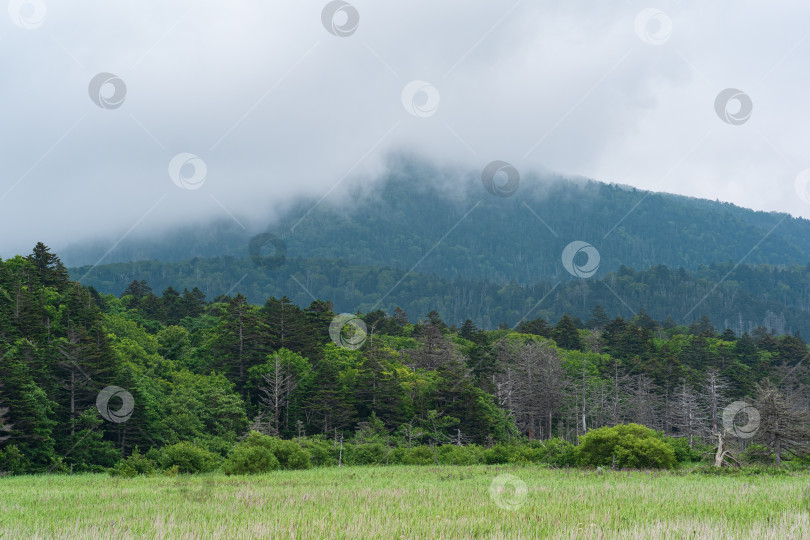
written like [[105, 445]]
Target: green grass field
[[407, 502]]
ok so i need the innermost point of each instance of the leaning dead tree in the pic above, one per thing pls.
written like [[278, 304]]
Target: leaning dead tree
[[723, 457]]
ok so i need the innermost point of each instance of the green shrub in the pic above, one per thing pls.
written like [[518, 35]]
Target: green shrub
[[364, 454], [625, 446], [133, 465], [419, 455], [396, 455], [322, 453], [523, 454], [684, 454], [756, 453], [498, 454], [188, 458], [12, 460], [250, 460], [288, 453], [452, 454], [556, 452], [215, 445]]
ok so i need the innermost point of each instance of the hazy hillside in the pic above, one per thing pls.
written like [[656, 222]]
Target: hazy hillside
[[400, 219]]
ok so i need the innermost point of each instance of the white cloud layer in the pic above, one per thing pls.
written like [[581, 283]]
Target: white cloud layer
[[276, 106]]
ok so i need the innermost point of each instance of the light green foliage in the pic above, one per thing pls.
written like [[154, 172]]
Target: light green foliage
[[133, 465], [322, 452], [188, 458], [625, 446], [250, 460], [260, 453]]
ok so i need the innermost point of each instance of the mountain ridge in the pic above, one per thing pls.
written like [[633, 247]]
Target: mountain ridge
[[419, 208]]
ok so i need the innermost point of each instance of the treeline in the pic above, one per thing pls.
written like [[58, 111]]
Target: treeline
[[87, 377], [748, 297]]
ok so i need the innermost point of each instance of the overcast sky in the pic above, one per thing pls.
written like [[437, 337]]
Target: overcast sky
[[273, 103]]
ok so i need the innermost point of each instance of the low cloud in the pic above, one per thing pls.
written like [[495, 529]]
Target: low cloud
[[277, 107]]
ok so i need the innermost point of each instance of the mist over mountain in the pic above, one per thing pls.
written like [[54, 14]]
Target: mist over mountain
[[424, 238], [419, 207]]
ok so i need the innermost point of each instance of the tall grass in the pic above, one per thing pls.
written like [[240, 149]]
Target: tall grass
[[395, 502]]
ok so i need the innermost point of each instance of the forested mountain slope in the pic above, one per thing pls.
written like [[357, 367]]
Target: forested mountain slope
[[447, 224], [750, 296]]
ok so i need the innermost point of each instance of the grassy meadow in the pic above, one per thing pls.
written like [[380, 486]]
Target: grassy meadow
[[408, 502]]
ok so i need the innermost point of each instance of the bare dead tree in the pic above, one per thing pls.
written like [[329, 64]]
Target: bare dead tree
[[688, 418], [412, 431], [783, 425], [5, 426], [434, 351], [618, 402], [712, 393], [274, 394], [530, 385], [645, 402]]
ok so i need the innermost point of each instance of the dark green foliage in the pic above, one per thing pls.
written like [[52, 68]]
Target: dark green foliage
[[365, 454], [743, 300], [453, 454], [12, 461], [498, 454], [555, 452], [566, 335], [290, 455], [418, 455]]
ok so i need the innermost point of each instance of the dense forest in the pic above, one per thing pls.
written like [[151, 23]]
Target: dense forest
[[739, 297], [424, 238], [89, 379]]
